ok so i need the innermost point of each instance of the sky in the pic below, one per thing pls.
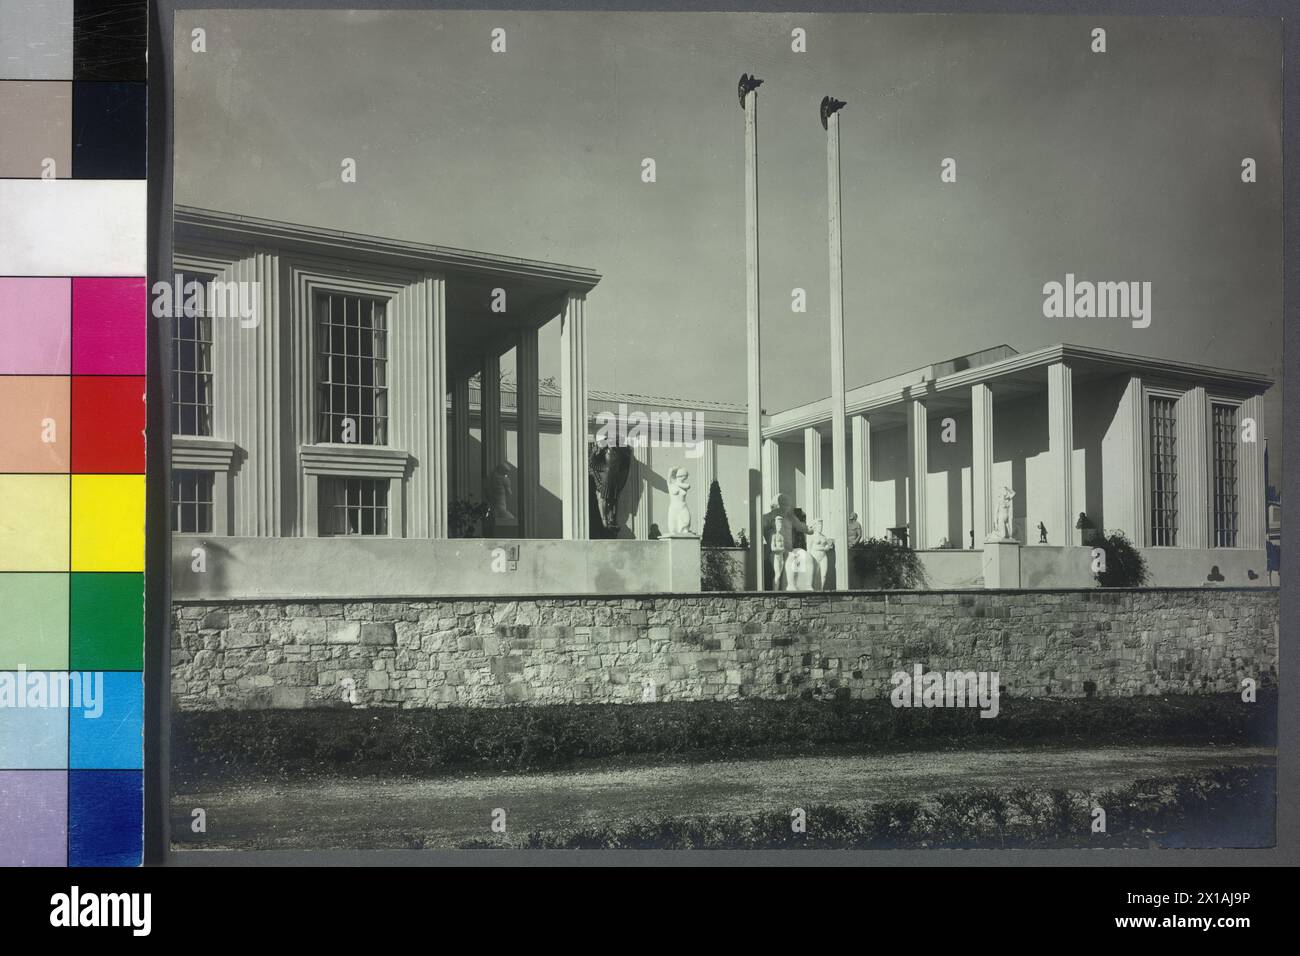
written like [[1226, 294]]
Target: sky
[[1115, 166]]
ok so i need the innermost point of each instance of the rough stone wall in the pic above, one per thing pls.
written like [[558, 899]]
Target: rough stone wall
[[489, 653]]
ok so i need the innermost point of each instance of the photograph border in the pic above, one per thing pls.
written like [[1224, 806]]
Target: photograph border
[[158, 848]]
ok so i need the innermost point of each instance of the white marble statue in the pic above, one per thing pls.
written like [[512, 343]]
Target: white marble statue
[[499, 496], [1002, 517], [679, 512], [778, 553], [819, 546]]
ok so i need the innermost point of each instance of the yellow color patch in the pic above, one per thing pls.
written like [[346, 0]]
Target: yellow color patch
[[108, 522], [34, 522]]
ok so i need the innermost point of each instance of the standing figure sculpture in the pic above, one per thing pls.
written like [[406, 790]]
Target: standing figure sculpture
[[778, 553], [855, 530], [1002, 519], [608, 466], [498, 496], [679, 512], [819, 546]]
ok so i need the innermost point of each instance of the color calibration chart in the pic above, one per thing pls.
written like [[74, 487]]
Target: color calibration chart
[[73, 309]]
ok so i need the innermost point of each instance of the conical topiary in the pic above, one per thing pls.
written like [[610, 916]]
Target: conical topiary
[[717, 530]]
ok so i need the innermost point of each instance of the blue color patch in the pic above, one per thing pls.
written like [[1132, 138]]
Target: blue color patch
[[105, 818]]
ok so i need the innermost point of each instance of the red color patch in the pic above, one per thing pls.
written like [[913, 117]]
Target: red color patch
[[108, 424]]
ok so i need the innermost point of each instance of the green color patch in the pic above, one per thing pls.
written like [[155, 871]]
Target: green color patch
[[107, 621], [34, 621]]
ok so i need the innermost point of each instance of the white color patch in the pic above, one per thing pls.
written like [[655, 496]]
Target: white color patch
[[71, 227]]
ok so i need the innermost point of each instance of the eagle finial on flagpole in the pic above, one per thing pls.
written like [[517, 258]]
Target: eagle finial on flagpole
[[829, 105], [746, 84]]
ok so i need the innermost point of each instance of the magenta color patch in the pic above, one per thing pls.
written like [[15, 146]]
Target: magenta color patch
[[35, 322], [108, 326]]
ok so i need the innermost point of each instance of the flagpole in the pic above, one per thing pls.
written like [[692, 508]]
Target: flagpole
[[839, 453], [748, 93]]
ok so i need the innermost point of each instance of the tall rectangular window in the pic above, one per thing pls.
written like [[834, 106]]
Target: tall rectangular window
[[353, 506], [192, 502], [1224, 426], [192, 362], [1164, 472], [351, 370]]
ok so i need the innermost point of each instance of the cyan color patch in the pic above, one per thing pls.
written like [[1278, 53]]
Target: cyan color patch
[[105, 732]]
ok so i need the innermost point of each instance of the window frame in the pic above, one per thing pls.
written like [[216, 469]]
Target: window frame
[[1150, 395], [325, 360], [1237, 405], [204, 479], [366, 486], [203, 423]]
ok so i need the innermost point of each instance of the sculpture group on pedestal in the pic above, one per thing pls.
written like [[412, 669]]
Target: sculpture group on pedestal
[[797, 569]]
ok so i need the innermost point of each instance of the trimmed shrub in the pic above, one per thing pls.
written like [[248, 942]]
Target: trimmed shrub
[[1125, 566], [886, 566], [717, 530]]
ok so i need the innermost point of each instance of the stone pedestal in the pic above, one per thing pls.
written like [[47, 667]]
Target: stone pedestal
[[683, 562], [1001, 564], [800, 571]]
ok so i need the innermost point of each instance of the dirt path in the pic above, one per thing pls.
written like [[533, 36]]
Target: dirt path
[[381, 814]]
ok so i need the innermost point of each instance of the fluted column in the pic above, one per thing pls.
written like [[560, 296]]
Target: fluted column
[[981, 472], [1252, 484], [638, 485], [458, 441], [771, 472], [491, 435], [862, 473], [1060, 453], [812, 474], [249, 410], [705, 472], [1124, 465], [918, 457], [528, 430], [573, 418], [1192, 431], [418, 425]]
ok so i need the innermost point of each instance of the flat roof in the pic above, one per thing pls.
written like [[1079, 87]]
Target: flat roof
[[211, 224], [1016, 373]]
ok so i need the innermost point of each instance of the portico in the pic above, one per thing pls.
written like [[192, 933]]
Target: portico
[[1155, 448]]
